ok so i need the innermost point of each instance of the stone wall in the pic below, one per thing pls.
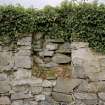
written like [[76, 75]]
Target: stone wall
[[52, 72]]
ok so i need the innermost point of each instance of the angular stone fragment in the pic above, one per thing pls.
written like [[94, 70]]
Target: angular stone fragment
[[61, 58], [66, 85], [4, 100], [20, 95], [4, 87], [60, 97]]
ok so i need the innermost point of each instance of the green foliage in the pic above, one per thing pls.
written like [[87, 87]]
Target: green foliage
[[71, 22]]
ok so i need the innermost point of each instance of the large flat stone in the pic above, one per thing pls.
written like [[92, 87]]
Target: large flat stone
[[66, 85], [23, 62], [60, 97], [5, 100], [4, 87], [20, 95], [61, 59]]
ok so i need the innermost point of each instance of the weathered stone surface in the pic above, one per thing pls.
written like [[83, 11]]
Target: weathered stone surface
[[23, 62], [25, 41], [85, 96], [60, 97], [27, 102], [38, 60], [66, 85], [78, 45], [38, 36], [65, 48], [31, 82], [5, 100], [50, 65], [4, 87], [17, 102], [51, 46], [36, 90], [46, 53], [6, 61], [20, 95], [22, 74], [40, 97], [3, 76], [101, 95], [46, 83], [60, 58], [92, 86], [47, 91]]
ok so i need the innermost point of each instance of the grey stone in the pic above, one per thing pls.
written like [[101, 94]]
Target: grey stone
[[38, 60], [77, 45], [20, 95], [38, 36], [25, 41], [3, 76], [47, 91], [45, 103], [60, 97], [23, 62], [17, 102], [4, 87], [60, 58], [36, 90], [65, 48], [40, 97], [85, 96], [51, 46], [22, 74], [50, 65], [30, 82], [66, 85], [26, 102], [101, 95], [46, 83], [46, 53], [5, 100]]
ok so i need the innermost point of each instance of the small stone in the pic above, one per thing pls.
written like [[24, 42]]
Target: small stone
[[61, 58], [38, 60], [40, 97], [66, 85], [38, 36], [101, 95], [5, 100], [20, 95], [4, 87], [3, 76], [60, 97], [46, 53], [36, 90], [50, 65], [46, 83], [51, 46]]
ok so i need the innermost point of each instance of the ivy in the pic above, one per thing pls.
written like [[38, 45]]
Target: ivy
[[71, 22]]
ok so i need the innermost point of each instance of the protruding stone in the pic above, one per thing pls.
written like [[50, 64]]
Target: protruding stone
[[61, 59], [5, 100], [60, 97], [66, 85]]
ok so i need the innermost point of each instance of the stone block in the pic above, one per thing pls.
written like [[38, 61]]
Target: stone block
[[36, 90], [60, 97], [4, 100], [66, 85], [51, 46], [46, 83], [40, 97], [61, 59]]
